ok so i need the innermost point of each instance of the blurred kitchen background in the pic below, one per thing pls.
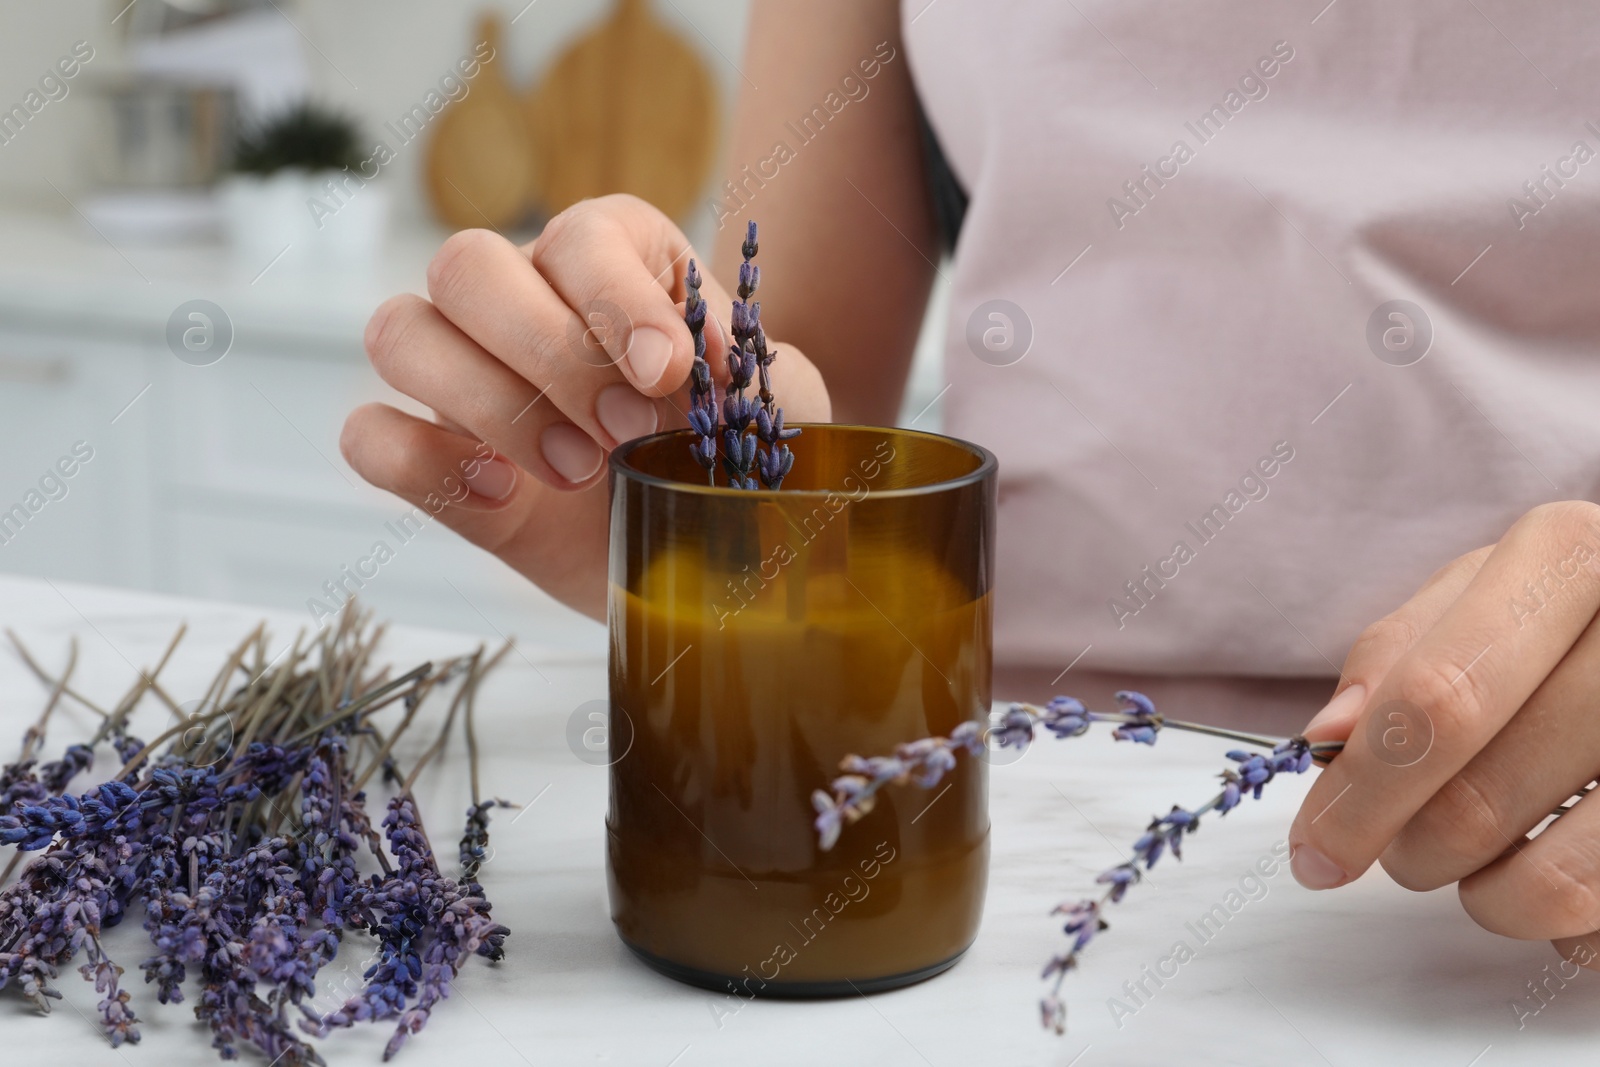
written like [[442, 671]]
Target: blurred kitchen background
[[165, 200]]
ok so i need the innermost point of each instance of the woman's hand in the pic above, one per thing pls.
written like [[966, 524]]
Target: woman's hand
[[1472, 713], [537, 361]]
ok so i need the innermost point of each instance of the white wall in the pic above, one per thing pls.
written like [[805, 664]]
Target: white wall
[[32, 38]]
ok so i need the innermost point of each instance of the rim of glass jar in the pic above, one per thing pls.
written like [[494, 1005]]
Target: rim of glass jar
[[987, 465]]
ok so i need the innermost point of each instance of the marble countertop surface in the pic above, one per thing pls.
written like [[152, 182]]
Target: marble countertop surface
[[1369, 974]]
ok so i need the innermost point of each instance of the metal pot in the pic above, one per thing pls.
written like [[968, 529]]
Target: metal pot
[[159, 133]]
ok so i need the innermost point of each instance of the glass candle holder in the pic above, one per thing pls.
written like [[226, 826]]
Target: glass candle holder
[[757, 638]]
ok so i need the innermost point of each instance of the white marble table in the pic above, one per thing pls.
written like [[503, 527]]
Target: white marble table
[[1367, 974]]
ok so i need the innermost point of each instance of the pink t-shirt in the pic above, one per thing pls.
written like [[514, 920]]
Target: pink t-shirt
[[1224, 447]]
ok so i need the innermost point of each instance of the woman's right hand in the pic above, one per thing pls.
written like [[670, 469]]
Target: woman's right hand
[[537, 361]]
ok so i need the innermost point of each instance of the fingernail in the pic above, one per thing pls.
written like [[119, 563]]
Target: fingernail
[[649, 352], [1314, 870], [625, 413], [494, 479], [1340, 709], [570, 451]]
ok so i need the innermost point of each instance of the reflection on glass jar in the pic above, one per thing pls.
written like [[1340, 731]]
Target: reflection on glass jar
[[757, 638]]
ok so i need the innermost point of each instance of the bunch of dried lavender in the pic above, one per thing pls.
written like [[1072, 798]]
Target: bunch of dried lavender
[[747, 424], [197, 827], [923, 763]]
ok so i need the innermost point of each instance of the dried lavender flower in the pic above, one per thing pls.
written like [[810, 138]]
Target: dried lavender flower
[[746, 424], [775, 461], [923, 763], [702, 399], [475, 841]]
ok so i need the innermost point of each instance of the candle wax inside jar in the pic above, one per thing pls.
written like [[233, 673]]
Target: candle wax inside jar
[[744, 687]]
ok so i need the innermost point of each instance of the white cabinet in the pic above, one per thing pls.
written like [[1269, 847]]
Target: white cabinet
[[263, 423], [64, 398], [222, 481], [255, 504]]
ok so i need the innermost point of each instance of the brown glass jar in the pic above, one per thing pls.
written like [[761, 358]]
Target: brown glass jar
[[757, 638]]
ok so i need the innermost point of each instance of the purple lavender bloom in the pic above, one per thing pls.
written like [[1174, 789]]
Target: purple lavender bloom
[[1067, 717], [749, 361], [702, 400], [1060, 963], [739, 457], [1015, 729], [1145, 722], [774, 466], [775, 461], [19, 784], [702, 423], [1139, 734], [1253, 771], [875, 768], [1119, 878], [1149, 847], [926, 761], [830, 818], [1175, 824], [269, 768], [57, 775], [770, 428], [738, 412], [127, 747], [1292, 756], [969, 735], [169, 919], [694, 309], [741, 369], [1165, 832], [1136, 703], [475, 841], [1083, 922], [108, 808]]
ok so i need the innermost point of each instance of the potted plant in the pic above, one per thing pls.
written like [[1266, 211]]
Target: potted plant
[[301, 191]]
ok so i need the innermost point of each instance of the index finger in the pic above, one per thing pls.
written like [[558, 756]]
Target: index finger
[[619, 264], [1446, 697]]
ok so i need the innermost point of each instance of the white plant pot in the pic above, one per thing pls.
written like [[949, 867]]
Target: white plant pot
[[291, 219], [353, 234]]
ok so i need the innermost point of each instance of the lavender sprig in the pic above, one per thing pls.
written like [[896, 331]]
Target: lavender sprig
[[702, 399], [923, 763], [474, 849], [1165, 833], [742, 425], [738, 411], [854, 794], [774, 461], [475, 840]]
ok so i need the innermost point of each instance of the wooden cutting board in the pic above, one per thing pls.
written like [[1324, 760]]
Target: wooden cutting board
[[479, 169], [628, 108]]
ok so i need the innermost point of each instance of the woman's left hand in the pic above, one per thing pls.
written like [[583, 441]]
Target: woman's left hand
[[1470, 714]]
